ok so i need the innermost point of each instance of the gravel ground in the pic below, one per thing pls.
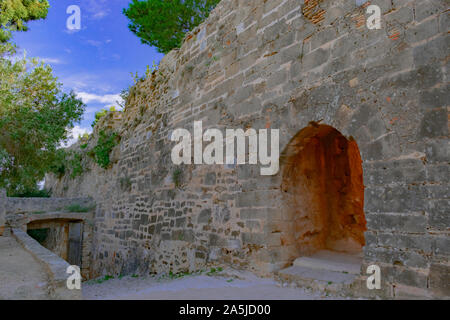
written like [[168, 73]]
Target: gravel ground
[[228, 285]]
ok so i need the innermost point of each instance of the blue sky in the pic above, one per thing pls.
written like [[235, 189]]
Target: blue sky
[[95, 61]]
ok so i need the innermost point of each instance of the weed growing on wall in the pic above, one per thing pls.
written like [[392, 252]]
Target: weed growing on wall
[[176, 176], [78, 208], [106, 142]]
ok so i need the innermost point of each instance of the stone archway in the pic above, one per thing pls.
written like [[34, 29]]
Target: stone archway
[[61, 236], [324, 192]]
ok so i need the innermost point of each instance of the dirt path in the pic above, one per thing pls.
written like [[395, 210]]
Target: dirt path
[[21, 277], [228, 285]]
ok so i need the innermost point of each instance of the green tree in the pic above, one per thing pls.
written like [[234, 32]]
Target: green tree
[[163, 23], [35, 117], [15, 13]]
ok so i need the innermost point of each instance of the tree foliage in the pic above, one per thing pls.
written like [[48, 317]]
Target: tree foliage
[[35, 116], [163, 23], [15, 13]]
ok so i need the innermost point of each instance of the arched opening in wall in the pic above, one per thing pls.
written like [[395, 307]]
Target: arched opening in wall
[[324, 192], [62, 237]]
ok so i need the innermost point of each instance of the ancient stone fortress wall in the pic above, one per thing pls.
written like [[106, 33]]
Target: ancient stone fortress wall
[[364, 142]]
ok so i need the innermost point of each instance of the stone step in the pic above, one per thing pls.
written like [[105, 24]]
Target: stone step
[[326, 276], [332, 261], [325, 271]]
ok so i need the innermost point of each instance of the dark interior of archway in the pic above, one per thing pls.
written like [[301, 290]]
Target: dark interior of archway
[[323, 181]]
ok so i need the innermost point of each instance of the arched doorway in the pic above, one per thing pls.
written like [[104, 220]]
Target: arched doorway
[[324, 191], [63, 237]]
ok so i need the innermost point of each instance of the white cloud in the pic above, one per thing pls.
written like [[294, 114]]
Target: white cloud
[[98, 43], [52, 60], [103, 82], [83, 81], [72, 31], [76, 132], [95, 43], [109, 99], [97, 9], [100, 14], [93, 110]]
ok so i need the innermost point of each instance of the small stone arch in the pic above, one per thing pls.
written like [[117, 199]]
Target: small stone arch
[[323, 193], [64, 237]]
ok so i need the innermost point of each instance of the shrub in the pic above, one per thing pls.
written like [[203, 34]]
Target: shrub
[[31, 194], [106, 142], [98, 116], [176, 176], [78, 208], [84, 137], [125, 183]]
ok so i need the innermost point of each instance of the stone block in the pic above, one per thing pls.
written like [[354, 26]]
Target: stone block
[[439, 214], [435, 98], [260, 213], [422, 31], [396, 257], [437, 150], [417, 242], [315, 59], [396, 222], [253, 238], [440, 280], [410, 277], [210, 178], [434, 123], [441, 246], [399, 199], [260, 198], [431, 51], [204, 216]]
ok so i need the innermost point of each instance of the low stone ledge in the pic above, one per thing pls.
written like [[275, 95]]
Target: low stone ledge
[[55, 266], [27, 205], [20, 221]]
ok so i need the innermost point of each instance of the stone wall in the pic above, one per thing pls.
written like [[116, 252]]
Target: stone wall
[[2, 211], [274, 64]]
